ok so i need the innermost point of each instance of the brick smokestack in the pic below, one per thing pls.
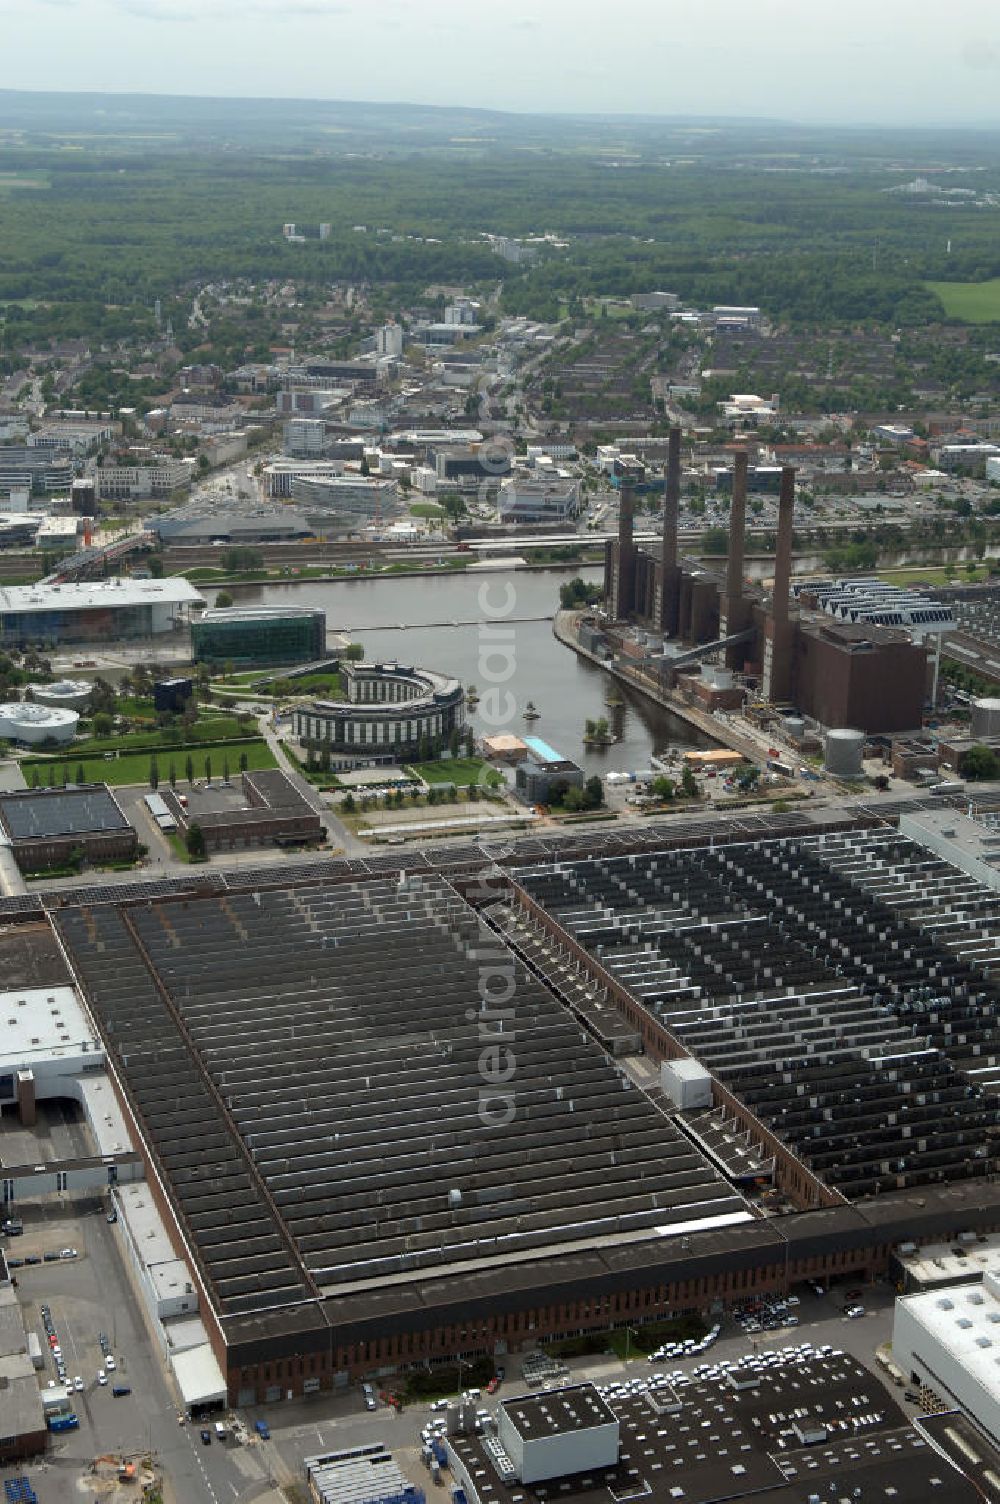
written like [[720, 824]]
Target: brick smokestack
[[783, 546], [670, 575], [622, 602], [737, 527], [672, 499], [777, 676]]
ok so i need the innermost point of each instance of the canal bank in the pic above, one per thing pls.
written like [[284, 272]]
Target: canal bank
[[716, 731]]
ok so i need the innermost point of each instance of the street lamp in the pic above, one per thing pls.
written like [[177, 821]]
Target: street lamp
[[628, 1334]]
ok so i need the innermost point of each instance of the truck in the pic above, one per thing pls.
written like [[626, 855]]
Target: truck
[[35, 1351], [64, 1422]]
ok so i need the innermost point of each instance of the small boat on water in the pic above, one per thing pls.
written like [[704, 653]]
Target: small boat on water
[[530, 713]]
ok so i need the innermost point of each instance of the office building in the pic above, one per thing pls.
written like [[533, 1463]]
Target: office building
[[264, 636], [543, 771], [388, 711], [161, 477], [555, 500]]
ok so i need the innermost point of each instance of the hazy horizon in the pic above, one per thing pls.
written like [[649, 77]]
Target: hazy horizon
[[874, 67]]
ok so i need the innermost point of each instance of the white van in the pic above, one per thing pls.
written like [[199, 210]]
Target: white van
[[220, 1431]]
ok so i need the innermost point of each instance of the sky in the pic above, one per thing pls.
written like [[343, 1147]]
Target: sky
[[896, 62]]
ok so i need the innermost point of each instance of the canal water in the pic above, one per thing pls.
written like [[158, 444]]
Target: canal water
[[565, 689]]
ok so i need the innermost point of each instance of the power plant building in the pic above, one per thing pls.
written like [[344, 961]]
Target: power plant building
[[857, 671]]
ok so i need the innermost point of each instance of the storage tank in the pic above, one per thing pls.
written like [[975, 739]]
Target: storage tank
[[795, 727], [986, 716], [845, 750]]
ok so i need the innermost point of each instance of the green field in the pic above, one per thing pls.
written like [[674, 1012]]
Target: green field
[[134, 767], [208, 729], [972, 302], [426, 509], [457, 770]]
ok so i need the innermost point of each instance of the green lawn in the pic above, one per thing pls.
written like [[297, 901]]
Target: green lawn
[[457, 770], [426, 509], [973, 302], [932, 576], [133, 767], [207, 729]]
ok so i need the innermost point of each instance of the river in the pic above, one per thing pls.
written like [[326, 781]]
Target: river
[[566, 689]]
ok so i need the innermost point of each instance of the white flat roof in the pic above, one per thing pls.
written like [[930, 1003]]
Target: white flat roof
[[965, 1321], [43, 1023], [145, 1224], [199, 1377], [938, 1263], [88, 596], [104, 1115]]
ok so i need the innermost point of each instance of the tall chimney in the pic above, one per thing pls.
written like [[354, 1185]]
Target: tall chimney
[[672, 498], [670, 578], [783, 545], [737, 527], [777, 676], [623, 602]]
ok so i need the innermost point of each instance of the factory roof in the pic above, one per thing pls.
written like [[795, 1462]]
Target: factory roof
[[22, 1403], [704, 1442], [965, 1321], [42, 814], [385, 1170], [559, 1412], [99, 595]]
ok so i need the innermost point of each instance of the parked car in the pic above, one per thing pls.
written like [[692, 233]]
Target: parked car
[[118, 1390], [110, 1364], [102, 1377], [206, 1438], [263, 1430]]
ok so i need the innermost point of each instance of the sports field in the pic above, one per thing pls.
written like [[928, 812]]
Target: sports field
[[973, 302]]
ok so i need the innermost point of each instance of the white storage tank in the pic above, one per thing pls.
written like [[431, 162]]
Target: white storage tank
[[794, 726], [986, 716], [845, 750], [687, 1084]]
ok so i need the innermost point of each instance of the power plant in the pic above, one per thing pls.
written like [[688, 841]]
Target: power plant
[[840, 672]]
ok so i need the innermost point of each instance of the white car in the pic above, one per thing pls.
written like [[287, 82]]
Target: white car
[[110, 1363], [67, 1253], [102, 1377], [78, 1384]]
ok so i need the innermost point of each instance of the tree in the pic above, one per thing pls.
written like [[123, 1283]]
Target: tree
[[593, 793], [103, 725], [244, 762], [81, 773], [195, 842], [689, 784], [715, 540], [223, 599], [156, 567], [172, 774], [663, 788], [979, 762], [354, 652], [208, 768], [347, 804], [154, 773], [189, 768]]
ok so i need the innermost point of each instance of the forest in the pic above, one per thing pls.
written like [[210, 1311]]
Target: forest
[[161, 196]]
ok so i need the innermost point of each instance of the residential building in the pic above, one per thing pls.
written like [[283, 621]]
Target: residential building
[[162, 476]]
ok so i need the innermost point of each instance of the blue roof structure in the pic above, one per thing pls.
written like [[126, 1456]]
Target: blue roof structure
[[542, 751]]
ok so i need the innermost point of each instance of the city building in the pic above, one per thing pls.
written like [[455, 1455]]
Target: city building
[[746, 410], [653, 302], [555, 500], [161, 477], [543, 771], [389, 340], [44, 827], [388, 711], [304, 438], [172, 696], [37, 469], [251, 636], [263, 525], [345, 503], [23, 1431], [106, 611]]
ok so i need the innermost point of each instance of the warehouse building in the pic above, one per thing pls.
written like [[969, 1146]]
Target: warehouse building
[[544, 771], [23, 1431], [46, 827], [947, 1343], [105, 611], [259, 636], [268, 811]]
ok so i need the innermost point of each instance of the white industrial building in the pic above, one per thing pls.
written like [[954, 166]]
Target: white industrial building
[[947, 1342], [564, 1431], [64, 694]]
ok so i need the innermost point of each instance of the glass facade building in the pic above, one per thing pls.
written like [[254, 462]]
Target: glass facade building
[[260, 636]]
